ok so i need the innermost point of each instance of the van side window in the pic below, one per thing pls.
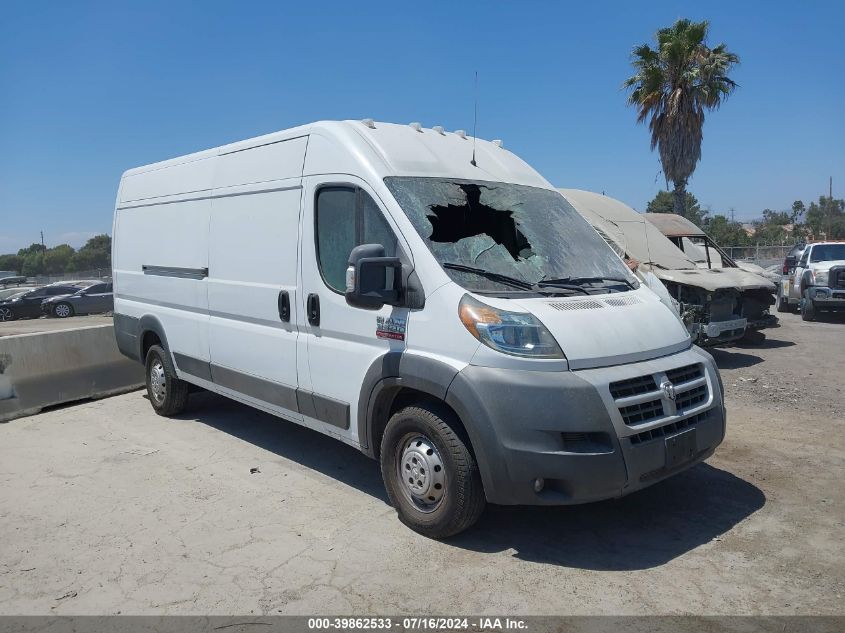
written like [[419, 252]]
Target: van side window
[[347, 217]]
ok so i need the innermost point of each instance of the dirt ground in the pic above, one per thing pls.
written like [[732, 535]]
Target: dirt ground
[[107, 508]]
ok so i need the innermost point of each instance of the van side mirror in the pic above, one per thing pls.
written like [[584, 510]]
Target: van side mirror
[[373, 280]]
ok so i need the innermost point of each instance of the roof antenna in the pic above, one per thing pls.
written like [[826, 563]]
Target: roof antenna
[[474, 121]]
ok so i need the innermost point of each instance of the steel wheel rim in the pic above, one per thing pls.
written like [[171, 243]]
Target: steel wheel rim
[[5, 314], [421, 472], [158, 383], [62, 310]]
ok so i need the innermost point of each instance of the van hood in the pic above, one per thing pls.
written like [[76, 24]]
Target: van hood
[[609, 329], [713, 279]]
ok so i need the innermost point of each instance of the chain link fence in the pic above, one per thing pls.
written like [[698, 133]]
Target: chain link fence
[[103, 274], [764, 256]]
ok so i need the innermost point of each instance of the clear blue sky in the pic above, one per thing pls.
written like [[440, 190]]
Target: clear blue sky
[[89, 89]]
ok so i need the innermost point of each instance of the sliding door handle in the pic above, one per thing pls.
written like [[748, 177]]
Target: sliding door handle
[[313, 309], [284, 306]]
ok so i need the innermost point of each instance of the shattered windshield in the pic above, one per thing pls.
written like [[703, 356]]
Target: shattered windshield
[[526, 233]]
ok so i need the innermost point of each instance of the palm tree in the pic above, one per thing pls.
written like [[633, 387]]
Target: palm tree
[[674, 84]]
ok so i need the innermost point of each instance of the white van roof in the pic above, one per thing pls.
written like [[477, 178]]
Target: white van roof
[[387, 149]]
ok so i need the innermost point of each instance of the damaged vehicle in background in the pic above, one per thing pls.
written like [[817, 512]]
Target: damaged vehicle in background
[[700, 247], [718, 305]]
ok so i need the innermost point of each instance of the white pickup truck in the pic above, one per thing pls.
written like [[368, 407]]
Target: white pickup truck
[[818, 283]]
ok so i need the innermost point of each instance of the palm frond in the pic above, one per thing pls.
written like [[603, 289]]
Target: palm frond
[[674, 83]]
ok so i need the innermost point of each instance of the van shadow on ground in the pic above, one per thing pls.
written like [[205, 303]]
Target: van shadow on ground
[[643, 530], [730, 358]]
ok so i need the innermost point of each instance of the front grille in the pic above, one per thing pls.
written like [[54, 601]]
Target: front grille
[[661, 395], [691, 398], [642, 412], [836, 277], [684, 374], [632, 386], [668, 429]]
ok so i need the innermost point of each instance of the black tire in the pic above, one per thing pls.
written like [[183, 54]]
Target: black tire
[[808, 309], [7, 314], [167, 393], [461, 497], [783, 302], [63, 310]]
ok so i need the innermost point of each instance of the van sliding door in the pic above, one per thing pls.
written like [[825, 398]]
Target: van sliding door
[[252, 294]]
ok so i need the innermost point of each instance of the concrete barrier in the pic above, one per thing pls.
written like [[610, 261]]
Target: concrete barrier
[[48, 368]]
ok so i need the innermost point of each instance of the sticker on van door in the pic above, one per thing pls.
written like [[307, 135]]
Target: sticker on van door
[[390, 327]]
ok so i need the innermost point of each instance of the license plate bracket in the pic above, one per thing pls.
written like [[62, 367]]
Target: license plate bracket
[[680, 448]]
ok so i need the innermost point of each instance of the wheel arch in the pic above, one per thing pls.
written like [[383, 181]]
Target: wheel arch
[[398, 379], [393, 381], [150, 332], [804, 283]]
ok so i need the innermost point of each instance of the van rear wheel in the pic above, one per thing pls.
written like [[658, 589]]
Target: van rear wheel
[[430, 474], [167, 393]]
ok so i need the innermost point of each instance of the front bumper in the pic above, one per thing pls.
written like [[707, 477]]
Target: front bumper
[[826, 298], [720, 332], [567, 429]]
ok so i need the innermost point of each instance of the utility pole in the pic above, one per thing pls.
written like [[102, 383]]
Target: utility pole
[[42, 238], [829, 208]]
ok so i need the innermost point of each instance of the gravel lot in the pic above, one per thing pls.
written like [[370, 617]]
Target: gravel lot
[[106, 508]]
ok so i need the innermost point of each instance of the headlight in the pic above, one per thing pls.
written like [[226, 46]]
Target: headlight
[[820, 278], [515, 333]]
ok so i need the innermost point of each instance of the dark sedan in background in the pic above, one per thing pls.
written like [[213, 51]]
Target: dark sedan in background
[[28, 304], [92, 299]]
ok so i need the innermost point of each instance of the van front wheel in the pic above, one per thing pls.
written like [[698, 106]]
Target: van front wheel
[[430, 475], [167, 393]]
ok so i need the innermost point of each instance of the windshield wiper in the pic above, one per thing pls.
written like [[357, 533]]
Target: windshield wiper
[[563, 284], [586, 280], [513, 281]]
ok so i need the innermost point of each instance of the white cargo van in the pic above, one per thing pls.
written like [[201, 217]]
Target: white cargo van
[[404, 290]]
